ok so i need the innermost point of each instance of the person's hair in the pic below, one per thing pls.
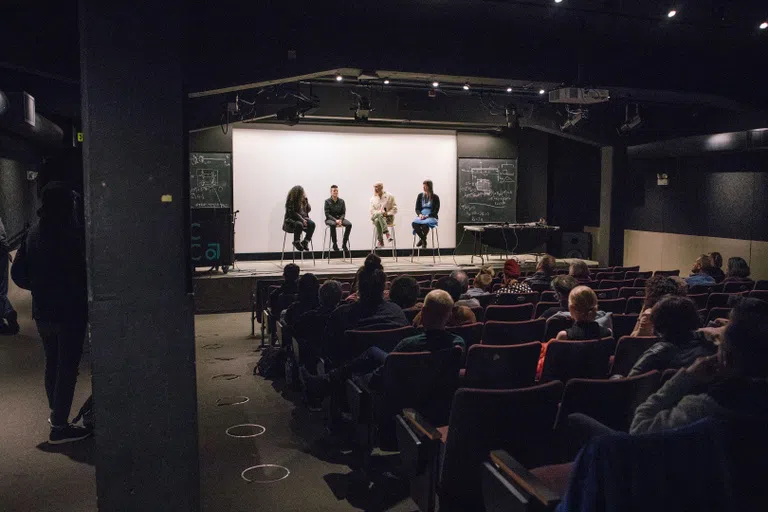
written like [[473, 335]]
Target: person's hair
[[483, 281], [373, 261], [333, 186], [372, 280], [658, 287], [746, 335], [674, 318], [579, 269], [438, 306], [704, 262], [308, 289], [330, 294], [450, 285], [293, 201], [462, 278], [487, 269], [291, 272], [430, 187], [738, 267], [582, 302], [379, 184], [511, 269], [356, 280], [562, 285], [404, 291], [547, 264], [717, 259]]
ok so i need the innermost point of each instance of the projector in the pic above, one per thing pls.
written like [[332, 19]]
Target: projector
[[579, 96]]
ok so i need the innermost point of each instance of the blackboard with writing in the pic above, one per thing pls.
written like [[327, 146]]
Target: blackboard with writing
[[210, 180], [487, 190]]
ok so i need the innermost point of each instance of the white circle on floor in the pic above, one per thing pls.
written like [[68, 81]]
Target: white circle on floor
[[226, 376], [245, 430], [232, 400], [265, 473]]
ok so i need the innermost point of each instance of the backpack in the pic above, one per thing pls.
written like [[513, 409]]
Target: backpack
[[272, 363]]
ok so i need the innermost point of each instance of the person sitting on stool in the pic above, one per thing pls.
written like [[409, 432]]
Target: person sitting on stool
[[383, 208], [297, 218], [335, 212], [427, 207]]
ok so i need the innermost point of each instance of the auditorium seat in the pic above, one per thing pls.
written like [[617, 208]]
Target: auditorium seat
[[479, 312], [761, 284], [700, 299], [624, 270], [549, 296], [607, 293], [485, 300], [634, 305], [566, 359], [509, 313], [613, 276], [623, 324], [738, 286], [637, 275], [612, 305], [541, 307], [717, 313], [600, 270], [628, 351], [615, 283], [717, 300], [631, 291], [668, 273], [640, 282], [359, 341], [539, 287], [513, 333], [705, 288], [511, 299], [759, 294], [555, 325], [502, 366], [410, 314], [470, 333]]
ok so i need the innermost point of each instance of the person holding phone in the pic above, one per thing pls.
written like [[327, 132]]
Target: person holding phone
[[297, 219]]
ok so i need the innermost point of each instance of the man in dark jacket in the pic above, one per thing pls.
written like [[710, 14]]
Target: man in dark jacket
[[8, 322], [542, 279], [336, 216], [51, 264]]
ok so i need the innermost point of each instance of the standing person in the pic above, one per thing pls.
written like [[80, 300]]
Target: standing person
[[427, 208], [383, 211], [336, 216], [8, 321], [51, 264], [297, 218]]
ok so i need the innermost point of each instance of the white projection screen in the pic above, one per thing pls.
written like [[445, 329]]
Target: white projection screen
[[268, 161]]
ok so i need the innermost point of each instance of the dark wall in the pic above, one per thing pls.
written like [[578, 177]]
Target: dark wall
[[212, 140], [18, 197], [720, 195], [574, 181]]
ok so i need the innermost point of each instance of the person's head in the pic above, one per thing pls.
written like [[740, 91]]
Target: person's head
[[717, 259], [674, 318], [737, 267], [291, 273], [546, 265], [451, 286], [59, 201], [483, 281], [308, 288], [330, 294], [378, 188], [428, 187], [295, 197], [511, 270], [462, 278], [404, 291], [438, 306], [744, 350], [371, 281], [487, 269], [334, 191], [373, 261], [579, 269], [582, 304], [658, 287], [703, 264], [562, 285]]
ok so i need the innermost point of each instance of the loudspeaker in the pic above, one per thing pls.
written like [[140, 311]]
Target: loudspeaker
[[576, 245]]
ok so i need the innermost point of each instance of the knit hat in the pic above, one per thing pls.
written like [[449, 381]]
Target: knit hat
[[511, 268]]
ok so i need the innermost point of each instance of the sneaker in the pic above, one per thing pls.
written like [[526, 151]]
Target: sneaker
[[297, 245], [379, 244], [345, 246], [68, 434]]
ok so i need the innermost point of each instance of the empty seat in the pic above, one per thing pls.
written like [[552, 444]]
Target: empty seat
[[700, 299], [567, 359], [541, 307], [549, 296], [502, 366], [513, 333], [717, 300], [668, 273], [512, 299], [759, 294], [556, 324], [623, 324], [479, 312], [761, 284], [600, 270], [615, 283], [738, 286], [640, 282], [628, 351], [612, 276], [715, 313], [634, 305], [631, 291], [612, 305], [635, 275], [608, 293], [636, 268], [470, 333]]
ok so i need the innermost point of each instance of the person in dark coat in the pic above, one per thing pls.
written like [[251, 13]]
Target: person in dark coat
[[8, 317], [427, 209], [297, 219], [51, 264]]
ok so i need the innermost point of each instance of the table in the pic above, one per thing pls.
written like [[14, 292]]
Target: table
[[520, 238]]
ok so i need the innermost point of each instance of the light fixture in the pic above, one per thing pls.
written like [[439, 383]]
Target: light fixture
[[435, 84], [574, 116], [542, 91], [509, 89], [386, 82], [339, 78], [466, 87], [558, 1], [764, 25], [671, 13]]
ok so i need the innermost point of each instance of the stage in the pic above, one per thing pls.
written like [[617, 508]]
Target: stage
[[216, 292]]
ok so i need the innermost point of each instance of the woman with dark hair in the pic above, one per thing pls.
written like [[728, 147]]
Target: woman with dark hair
[[308, 299], [656, 288], [675, 321], [717, 267], [427, 208], [738, 269], [297, 218]]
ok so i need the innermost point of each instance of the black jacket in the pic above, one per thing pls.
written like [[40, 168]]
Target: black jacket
[[664, 355], [435, 205], [335, 211], [4, 247], [293, 216]]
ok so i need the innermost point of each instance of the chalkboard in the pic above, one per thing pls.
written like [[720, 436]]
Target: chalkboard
[[211, 237], [487, 190], [210, 180]]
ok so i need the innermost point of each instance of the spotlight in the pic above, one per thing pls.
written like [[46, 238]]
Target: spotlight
[[542, 91], [558, 1], [671, 13], [764, 25], [466, 87], [509, 89], [435, 84], [339, 78], [386, 82]]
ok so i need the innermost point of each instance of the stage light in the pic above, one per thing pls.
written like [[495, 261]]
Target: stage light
[[558, 1], [671, 13], [764, 25], [542, 91], [435, 84], [466, 87], [509, 89], [339, 78], [386, 82]]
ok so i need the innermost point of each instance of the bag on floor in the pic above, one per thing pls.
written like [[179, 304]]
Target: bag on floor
[[272, 363]]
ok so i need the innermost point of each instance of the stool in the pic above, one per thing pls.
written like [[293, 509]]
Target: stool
[[391, 228], [417, 250], [293, 251], [325, 236]]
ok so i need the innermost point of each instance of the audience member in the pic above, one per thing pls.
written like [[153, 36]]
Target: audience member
[[676, 321], [466, 299], [460, 315], [289, 286], [738, 269], [371, 261], [511, 283], [734, 381], [562, 285], [579, 271], [656, 288], [487, 269], [51, 264], [481, 285], [582, 305], [405, 292], [700, 273], [545, 271], [310, 326], [307, 299], [8, 318], [717, 267]]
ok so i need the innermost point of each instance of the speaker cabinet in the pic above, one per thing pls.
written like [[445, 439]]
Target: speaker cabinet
[[576, 245]]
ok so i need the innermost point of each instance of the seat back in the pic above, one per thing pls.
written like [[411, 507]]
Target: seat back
[[637, 275], [759, 294], [541, 307], [668, 273], [554, 325], [704, 288], [628, 351], [502, 366], [470, 333], [411, 313], [623, 325], [608, 293], [511, 299], [640, 282], [700, 299], [519, 421], [717, 300], [600, 270], [631, 291], [513, 333], [509, 313], [738, 286], [567, 359], [634, 305], [485, 300], [612, 305], [611, 276], [615, 283], [612, 402], [761, 284], [479, 312], [360, 341], [539, 287], [717, 313], [549, 296], [636, 268]]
